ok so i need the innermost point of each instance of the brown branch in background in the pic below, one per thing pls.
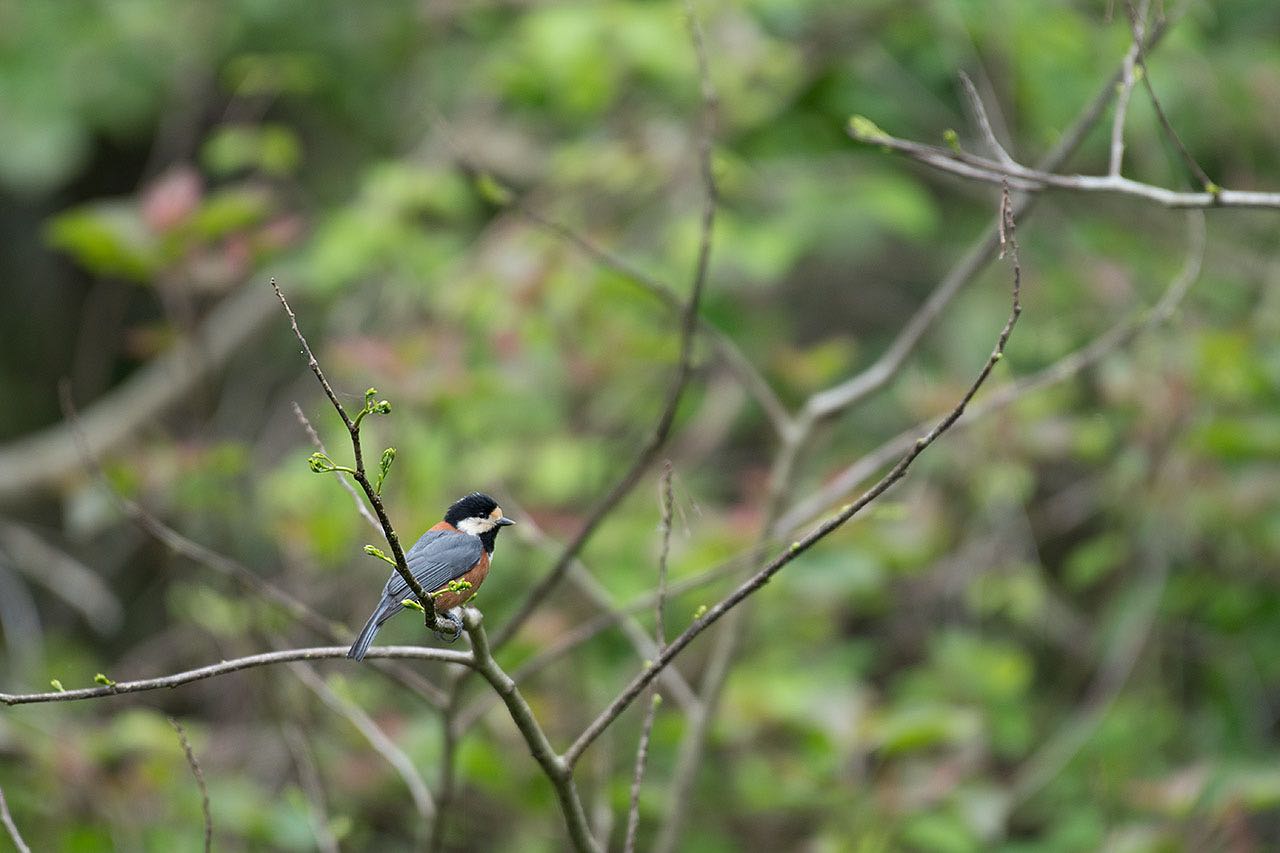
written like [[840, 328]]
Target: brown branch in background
[[199, 774], [684, 365], [660, 639], [637, 776], [235, 665], [762, 577], [233, 569], [7, 820], [373, 733], [660, 601], [353, 428]]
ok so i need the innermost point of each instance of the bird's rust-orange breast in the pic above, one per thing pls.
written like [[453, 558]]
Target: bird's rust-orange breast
[[447, 600]]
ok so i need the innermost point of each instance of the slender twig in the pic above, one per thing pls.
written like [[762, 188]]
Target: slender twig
[[637, 775], [984, 123], [660, 640], [200, 783], [235, 665], [762, 577], [314, 437], [660, 600], [373, 733], [1026, 179], [309, 777], [557, 770], [353, 428], [541, 592], [1116, 161], [7, 820], [237, 571]]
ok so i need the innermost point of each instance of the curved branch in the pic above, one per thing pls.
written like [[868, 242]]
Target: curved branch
[[222, 668]]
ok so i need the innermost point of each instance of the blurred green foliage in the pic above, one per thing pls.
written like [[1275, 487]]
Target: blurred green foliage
[[1061, 633]]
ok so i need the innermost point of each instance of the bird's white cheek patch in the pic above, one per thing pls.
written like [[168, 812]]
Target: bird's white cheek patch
[[474, 526]]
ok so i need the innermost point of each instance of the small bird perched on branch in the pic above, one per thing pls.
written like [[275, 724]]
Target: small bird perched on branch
[[450, 561]]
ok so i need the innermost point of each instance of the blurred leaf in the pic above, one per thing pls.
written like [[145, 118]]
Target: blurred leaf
[[108, 239]]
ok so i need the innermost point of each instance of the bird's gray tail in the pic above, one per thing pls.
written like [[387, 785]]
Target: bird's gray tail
[[384, 611]]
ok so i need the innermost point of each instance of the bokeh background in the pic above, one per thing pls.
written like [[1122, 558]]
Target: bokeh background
[[1060, 633]]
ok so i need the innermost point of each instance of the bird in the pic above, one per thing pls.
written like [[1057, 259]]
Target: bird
[[459, 548]]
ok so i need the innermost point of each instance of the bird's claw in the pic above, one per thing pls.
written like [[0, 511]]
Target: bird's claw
[[455, 618]]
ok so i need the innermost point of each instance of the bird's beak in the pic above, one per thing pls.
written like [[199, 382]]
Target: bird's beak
[[506, 522]]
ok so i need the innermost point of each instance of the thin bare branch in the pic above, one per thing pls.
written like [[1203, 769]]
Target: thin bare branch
[[684, 366], [7, 820], [585, 632], [637, 775], [762, 577], [1116, 161], [235, 665], [200, 783], [353, 428], [660, 599], [373, 733], [978, 168]]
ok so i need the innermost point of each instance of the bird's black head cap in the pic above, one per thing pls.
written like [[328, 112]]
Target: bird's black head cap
[[474, 505]]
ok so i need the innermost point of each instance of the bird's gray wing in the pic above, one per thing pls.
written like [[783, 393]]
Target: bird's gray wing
[[434, 560]]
